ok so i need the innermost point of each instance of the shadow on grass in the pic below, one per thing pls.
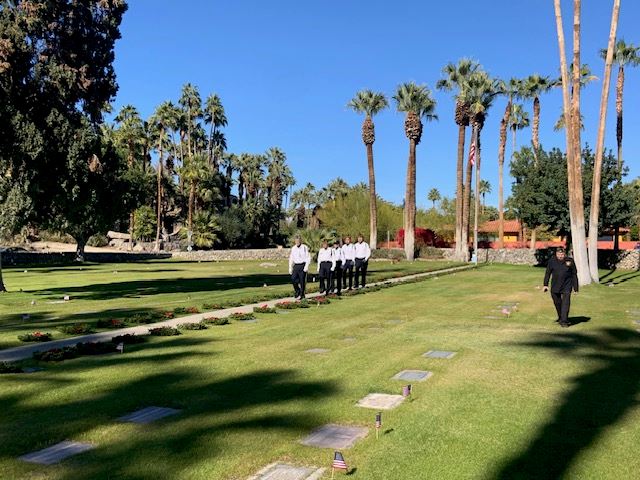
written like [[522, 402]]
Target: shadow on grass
[[213, 406], [596, 401]]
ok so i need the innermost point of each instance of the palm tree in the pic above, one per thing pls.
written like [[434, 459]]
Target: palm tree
[[192, 105], [279, 176], [485, 187], [417, 103], [532, 87], [305, 198], [337, 188], [370, 103], [215, 116], [594, 213], [230, 165], [195, 168], [457, 77], [434, 196], [511, 90], [518, 120]]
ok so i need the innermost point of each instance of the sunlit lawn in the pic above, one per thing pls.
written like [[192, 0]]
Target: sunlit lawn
[[522, 398], [102, 291]]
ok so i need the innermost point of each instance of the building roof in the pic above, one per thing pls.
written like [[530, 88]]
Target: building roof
[[510, 226]]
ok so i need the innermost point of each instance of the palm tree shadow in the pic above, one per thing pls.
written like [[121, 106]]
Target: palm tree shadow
[[596, 400]]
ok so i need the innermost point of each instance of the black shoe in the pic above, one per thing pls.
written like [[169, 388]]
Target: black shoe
[[564, 325]]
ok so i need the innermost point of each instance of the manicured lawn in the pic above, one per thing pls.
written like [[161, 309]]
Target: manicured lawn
[[104, 291], [522, 399]]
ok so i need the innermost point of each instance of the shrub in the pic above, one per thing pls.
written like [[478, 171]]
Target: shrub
[[264, 309], [164, 331], [76, 329], [147, 317], [168, 315], [9, 368], [216, 321], [111, 323], [144, 223], [303, 304], [425, 251], [333, 296], [56, 354], [322, 300], [212, 306], [192, 326], [98, 240], [242, 316], [35, 337], [287, 305], [95, 348], [389, 253], [128, 339], [185, 310]]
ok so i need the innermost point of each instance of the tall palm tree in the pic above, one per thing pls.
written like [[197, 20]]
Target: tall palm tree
[[195, 168], [456, 77], [480, 93], [434, 196], [510, 89], [485, 187], [215, 117], [518, 120], [370, 103], [416, 101], [594, 213], [532, 88], [230, 164], [192, 104], [305, 198]]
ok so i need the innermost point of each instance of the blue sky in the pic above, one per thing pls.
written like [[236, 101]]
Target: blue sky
[[285, 70]]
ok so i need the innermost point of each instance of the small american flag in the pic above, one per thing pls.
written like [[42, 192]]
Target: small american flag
[[338, 461], [472, 154], [378, 420]]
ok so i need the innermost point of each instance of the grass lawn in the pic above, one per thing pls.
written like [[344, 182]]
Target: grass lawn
[[522, 399], [104, 291]]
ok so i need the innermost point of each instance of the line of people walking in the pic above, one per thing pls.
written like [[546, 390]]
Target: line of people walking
[[337, 265]]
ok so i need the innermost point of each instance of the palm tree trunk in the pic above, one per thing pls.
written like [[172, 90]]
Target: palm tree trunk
[[504, 124], [535, 129], [192, 196], [532, 245], [2, 287], [466, 213], [477, 198], [159, 186], [373, 208], [460, 253], [210, 145], [594, 212], [132, 218], [409, 204], [619, 92]]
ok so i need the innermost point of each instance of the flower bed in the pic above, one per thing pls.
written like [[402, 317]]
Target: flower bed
[[148, 317], [128, 339], [76, 329], [264, 309], [164, 331], [186, 310], [95, 348], [9, 368], [333, 296], [287, 305], [216, 321], [35, 337], [322, 300], [111, 323], [56, 354], [239, 316], [192, 326], [212, 306]]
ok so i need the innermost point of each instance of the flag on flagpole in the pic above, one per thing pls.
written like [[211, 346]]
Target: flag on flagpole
[[472, 154], [379, 420], [338, 462]]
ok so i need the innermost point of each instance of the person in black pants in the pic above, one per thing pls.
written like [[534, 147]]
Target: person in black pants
[[326, 266], [349, 253], [299, 260], [363, 252], [336, 278], [564, 278]]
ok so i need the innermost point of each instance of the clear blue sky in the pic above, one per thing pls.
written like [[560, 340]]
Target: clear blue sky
[[285, 70]]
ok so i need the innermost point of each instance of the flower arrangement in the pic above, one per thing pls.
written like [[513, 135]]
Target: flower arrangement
[[193, 326], [56, 354], [35, 337], [322, 300], [287, 305], [216, 321], [168, 315], [239, 316], [164, 331], [185, 310], [264, 309], [147, 317], [127, 339], [76, 329], [212, 306], [111, 323]]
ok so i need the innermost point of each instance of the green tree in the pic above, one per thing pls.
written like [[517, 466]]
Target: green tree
[[194, 170], [434, 196], [485, 187], [205, 228], [416, 101], [145, 223], [370, 104], [215, 117]]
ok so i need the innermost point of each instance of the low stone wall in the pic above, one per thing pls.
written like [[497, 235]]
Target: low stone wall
[[56, 258], [228, 255]]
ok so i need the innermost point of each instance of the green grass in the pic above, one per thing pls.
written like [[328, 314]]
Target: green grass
[[104, 291], [523, 399]]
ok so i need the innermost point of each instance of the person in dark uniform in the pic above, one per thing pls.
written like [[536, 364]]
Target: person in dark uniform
[[564, 278], [299, 260], [336, 278]]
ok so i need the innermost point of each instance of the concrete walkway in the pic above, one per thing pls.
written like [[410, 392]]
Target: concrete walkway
[[21, 353]]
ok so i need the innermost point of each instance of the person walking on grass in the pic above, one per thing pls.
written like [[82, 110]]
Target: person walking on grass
[[349, 251], [362, 252], [336, 278], [564, 278], [326, 266], [299, 260]]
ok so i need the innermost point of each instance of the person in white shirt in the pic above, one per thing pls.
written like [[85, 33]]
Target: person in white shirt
[[362, 253], [336, 278], [326, 266], [299, 260], [349, 253]]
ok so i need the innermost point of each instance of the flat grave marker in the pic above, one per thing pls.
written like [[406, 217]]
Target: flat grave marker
[[349, 339], [380, 401], [412, 375], [439, 354], [335, 436], [32, 369], [318, 350], [56, 453], [395, 321], [148, 415], [284, 471]]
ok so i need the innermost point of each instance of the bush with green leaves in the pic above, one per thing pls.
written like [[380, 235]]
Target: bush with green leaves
[[216, 321], [193, 326], [264, 309], [110, 323], [144, 227], [186, 310], [98, 240], [164, 332], [9, 368], [212, 306], [35, 337], [234, 230], [56, 354], [76, 329], [204, 233], [240, 316]]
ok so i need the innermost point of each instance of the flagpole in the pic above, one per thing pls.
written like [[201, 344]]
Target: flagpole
[[333, 470]]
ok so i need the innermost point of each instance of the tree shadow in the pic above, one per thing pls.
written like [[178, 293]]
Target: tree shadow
[[596, 401]]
